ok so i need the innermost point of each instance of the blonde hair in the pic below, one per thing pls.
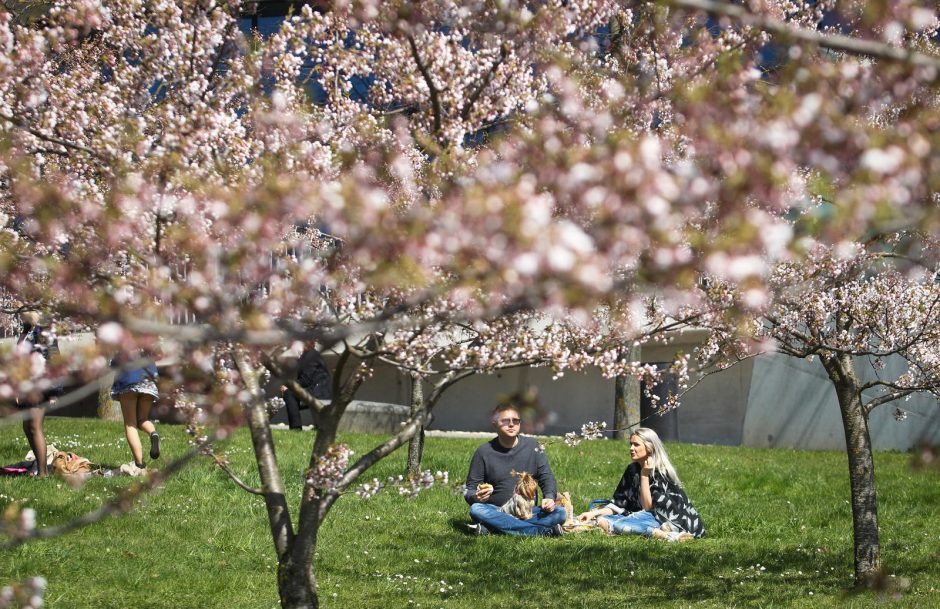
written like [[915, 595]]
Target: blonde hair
[[69, 464], [31, 317], [658, 459]]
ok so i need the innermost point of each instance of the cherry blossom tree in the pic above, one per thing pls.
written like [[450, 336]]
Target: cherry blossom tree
[[851, 308], [456, 163], [845, 315], [450, 352], [444, 354]]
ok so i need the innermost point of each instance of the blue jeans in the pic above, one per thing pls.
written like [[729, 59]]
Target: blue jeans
[[637, 523], [541, 523]]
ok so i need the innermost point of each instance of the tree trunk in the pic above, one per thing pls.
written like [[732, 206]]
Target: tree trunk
[[271, 483], [416, 445], [108, 409], [626, 401], [841, 371], [296, 585], [293, 588], [296, 588], [297, 578]]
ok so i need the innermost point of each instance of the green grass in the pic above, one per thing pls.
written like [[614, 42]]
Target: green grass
[[779, 534]]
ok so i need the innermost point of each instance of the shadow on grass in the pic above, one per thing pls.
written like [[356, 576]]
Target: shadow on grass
[[460, 526], [593, 568], [636, 567]]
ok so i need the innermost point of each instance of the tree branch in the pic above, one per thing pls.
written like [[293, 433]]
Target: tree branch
[[326, 334], [447, 382], [432, 90], [485, 81], [381, 451], [72, 397], [834, 42], [890, 397], [288, 379], [48, 138], [238, 481]]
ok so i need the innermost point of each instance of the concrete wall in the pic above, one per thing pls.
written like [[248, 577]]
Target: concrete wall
[[793, 403], [714, 410], [569, 401], [768, 401]]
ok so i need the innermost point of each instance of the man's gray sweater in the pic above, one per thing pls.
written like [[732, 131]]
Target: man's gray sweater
[[494, 464]]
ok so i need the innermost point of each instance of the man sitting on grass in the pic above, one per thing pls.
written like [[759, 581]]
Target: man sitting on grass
[[492, 478]]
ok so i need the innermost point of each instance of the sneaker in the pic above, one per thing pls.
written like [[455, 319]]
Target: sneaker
[[661, 534], [672, 536], [154, 445], [557, 530], [477, 529], [133, 469]]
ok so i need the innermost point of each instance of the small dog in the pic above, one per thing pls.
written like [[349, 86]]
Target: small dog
[[523, 500], [564, 500]]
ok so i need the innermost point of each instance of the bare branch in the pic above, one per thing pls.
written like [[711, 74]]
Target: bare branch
[[450, 380], [238, 481], [327, 335], [378, 453], [899, 393], [702, 375], [291, 383], [72, 397]]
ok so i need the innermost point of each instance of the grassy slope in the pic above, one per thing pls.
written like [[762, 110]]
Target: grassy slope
[[779, 528]]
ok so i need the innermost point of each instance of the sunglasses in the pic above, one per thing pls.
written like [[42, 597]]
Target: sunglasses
[[507, 422]]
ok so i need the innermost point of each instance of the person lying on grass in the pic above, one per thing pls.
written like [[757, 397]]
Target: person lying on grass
[[649, 499], [492, 481]]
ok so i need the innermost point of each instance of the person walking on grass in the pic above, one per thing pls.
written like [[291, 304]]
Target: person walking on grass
[[649, 499], [35, 338], [136, 390], [492, 479]]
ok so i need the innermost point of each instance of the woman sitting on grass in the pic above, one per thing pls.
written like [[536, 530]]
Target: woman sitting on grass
[[649, 499]]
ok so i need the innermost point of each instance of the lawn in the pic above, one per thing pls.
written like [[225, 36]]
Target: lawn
[[779, 534]]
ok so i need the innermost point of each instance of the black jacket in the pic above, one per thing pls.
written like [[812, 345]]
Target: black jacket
[[314, 375]]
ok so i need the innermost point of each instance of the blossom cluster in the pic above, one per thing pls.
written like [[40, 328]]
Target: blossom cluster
[[462, 187], [514, 161], [406, 486], [850, 300], [201, 200], [325, 476], [17, 521], [592, 430], [28, 594]]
